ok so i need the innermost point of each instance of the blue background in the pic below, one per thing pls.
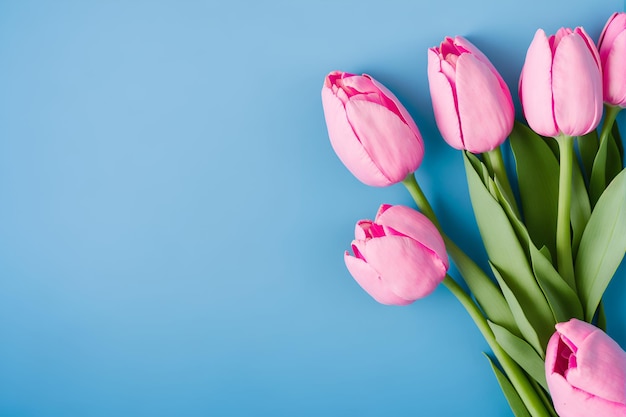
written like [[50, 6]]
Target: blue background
[[173, 218]]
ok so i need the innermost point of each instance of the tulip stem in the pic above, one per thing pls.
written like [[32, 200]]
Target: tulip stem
[[494, 160], [522, 385], [564, 261], [420, 199]]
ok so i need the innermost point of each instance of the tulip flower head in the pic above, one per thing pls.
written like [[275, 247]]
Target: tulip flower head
[[472, 103], [612, 48], [586, 372], [370, 130], [561, 83], [399, 257]]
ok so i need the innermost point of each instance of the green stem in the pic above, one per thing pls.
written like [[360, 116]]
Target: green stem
[[522, 385], [495, 161], [564, 260], [420, 199]]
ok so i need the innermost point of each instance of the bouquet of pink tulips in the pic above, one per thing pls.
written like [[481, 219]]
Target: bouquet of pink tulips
[[554, 241]]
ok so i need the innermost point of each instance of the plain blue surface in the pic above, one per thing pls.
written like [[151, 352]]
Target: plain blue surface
[[173, 218]]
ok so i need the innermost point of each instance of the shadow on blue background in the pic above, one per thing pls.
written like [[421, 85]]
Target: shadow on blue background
[[173, 218]]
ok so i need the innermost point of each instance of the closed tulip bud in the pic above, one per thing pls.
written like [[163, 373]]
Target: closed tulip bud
[[472, 103], [399, 257], [561, 84], [612, 48], [586, 372], [369, 129]]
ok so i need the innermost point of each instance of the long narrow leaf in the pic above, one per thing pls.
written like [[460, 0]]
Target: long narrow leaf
[[522, 353], [488, 295], [508, 255], [617, 137], [588, 147], [538, 179], [602, 245], [562, 298], [511, 395], [519, 312], [613, 160]]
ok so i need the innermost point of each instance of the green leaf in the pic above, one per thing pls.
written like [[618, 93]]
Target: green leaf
[[546, 253], [489, 297], [562, 298], [601, 317], [613, 160], [617, 137], [604, 165], [478, 166], [588, 147], [522, 353], [538, 179], [487, 294], [553, 145], [511, 395], [602, 245], [508, 255], [519, 313]]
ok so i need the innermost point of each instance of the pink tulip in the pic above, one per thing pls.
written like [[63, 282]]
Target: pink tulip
[[561, 84], [612, 47], [586, 372], [399, 257], [369, 129], [472, 104]]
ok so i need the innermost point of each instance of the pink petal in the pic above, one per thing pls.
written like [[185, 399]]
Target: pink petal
[[406, 267], [552, 352], [575, 331], [359, 249], [486, 111], [389, 142], [332, 78], [573, 402], [403, 111], [415, 225], [558, 36], [576, 86], [614, 75], [358, 84], [444, 103], [448, 69], [447, 47], [601, 368], [472, 49], [346, 144], [371, 282], [536, 86], [614, 26], [464, 43], [590, 45], [361, 230], [383, 208]]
